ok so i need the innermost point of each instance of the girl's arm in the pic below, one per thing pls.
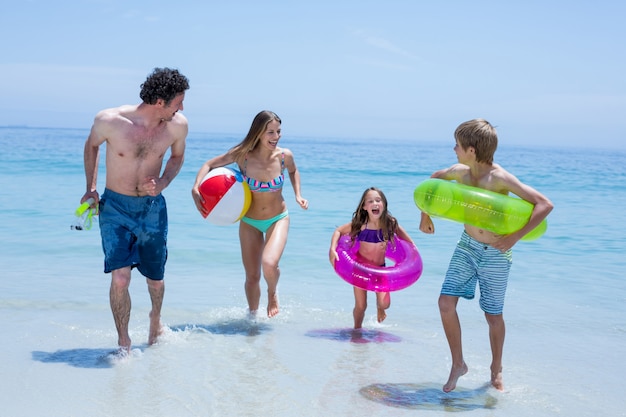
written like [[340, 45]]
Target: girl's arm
[[402, 234], [218, 161], [339, 231]]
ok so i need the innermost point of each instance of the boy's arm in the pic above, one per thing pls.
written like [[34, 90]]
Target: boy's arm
[[450, 173], [542, 207], [426, 224], [454, 172]]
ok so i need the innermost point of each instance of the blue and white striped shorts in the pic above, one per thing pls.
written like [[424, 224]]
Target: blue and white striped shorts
[[472, 262]]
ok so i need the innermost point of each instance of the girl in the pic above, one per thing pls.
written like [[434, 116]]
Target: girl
[[262, 163], [374, 227]]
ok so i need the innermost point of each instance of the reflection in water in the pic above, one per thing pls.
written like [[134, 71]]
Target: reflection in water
[[354, 335], [429, 397], [241, 327]]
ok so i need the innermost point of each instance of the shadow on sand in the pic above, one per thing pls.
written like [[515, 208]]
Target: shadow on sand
[[429, 397], [106, 358], [84, 357]]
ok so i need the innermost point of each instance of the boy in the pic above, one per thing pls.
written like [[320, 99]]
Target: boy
[[481, 256]]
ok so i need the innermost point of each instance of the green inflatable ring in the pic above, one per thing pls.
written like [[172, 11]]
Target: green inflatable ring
[[495, 212]]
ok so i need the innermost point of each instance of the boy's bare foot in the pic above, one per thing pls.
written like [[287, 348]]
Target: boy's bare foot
[[455, 374], [382, 315], [496, 380], [156, 329], [272, 305]]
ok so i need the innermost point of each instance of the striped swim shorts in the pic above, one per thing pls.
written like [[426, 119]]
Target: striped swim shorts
[[472, 262]]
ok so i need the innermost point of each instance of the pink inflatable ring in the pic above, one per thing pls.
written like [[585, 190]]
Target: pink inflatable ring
[[406, 269]]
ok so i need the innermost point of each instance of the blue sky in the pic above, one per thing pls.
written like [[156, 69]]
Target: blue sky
[[544, 72]]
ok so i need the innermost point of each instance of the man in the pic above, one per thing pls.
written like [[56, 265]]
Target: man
[[132, 210]]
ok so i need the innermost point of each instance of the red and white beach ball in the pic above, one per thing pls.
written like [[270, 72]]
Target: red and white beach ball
[[226, 196]]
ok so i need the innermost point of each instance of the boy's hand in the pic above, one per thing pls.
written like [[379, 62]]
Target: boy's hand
[[505, 242], [426, 224]]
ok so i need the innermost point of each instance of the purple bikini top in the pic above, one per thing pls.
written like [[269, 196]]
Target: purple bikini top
[[370, 235]]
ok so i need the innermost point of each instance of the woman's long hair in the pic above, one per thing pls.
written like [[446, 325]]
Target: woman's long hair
[[258, 127]]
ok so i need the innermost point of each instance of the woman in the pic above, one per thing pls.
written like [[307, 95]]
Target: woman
[[263, 230]]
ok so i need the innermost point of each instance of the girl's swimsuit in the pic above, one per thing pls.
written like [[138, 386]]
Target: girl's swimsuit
[[263, 225], [370, 235], [272, 186]]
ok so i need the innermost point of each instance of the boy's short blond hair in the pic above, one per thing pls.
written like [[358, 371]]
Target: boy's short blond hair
[[480, 135]]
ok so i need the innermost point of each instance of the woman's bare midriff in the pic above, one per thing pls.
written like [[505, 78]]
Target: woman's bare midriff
[[266, 205]]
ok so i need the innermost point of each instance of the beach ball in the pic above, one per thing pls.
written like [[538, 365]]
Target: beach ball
[[226, 196]]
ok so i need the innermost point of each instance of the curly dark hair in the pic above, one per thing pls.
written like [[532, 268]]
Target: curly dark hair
[[163, 83]]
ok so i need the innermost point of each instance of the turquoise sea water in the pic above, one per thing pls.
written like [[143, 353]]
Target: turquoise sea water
[[565, 314]]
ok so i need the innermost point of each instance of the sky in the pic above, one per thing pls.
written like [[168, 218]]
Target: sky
[[545, 73]]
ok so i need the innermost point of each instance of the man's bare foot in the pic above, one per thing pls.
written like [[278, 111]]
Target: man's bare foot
[[455, 374], [496, 380], [252, 314], [123, 349], [272, 305], [382, 315], [156, 329], [122, 352]]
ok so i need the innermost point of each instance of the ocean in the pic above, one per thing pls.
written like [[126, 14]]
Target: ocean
[[565, 307]]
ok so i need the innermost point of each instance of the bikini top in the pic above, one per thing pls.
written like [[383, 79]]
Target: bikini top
[[272, 186], [370, 235]]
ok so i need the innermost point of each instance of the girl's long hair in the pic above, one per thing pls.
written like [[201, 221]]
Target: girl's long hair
[[388, 223]]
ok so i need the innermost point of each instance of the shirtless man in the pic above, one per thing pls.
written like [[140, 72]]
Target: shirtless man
[[481, 256], [133, 214]]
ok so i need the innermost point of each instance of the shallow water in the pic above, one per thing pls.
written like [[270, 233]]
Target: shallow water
[[566, 325]]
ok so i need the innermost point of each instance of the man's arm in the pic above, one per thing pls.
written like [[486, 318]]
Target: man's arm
[[91, 157], [176, 159]]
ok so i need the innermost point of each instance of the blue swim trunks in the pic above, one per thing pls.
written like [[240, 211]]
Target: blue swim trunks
[[472, 262], [134, 233]]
